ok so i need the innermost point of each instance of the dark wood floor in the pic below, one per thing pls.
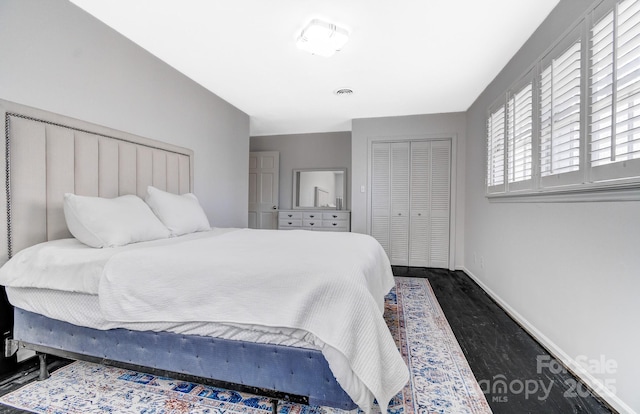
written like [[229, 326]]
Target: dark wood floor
[[499, 352]]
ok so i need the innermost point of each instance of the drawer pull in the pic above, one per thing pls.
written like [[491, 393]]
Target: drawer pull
[[290, 223], [334, 216], [311, 224], [311, 215], [335, 224], [290, 215]]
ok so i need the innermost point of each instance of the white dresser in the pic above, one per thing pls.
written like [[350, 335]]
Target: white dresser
[[324, 220]]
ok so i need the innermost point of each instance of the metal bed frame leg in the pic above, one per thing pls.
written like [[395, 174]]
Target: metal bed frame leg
[[274, 406], [44, 372]]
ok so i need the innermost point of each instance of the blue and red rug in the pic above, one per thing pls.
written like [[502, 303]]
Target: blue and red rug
[[441, 380]]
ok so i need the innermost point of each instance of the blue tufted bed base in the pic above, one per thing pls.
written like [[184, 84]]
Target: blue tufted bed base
[[46, 155], [275, 371]]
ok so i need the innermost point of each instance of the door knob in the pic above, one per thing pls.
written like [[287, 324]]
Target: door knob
[[275, 207]]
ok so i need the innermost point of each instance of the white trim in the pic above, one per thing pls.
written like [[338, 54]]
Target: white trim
[[453, 194], [572, 365], [623, 191]]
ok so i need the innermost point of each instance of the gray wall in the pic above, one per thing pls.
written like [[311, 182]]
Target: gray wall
[[403, 127], [58, 58], [325, 150], [568, 271]]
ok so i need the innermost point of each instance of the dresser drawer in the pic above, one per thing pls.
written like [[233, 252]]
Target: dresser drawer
[[335, 224], [288, 215], [285, 224], [311, 223], [317, 216], [335, 215]]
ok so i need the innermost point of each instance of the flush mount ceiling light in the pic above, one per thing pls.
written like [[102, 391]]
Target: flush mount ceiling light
[[343, 91], [322, 38]]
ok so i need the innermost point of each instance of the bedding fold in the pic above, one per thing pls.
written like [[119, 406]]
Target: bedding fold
[[278, 284]]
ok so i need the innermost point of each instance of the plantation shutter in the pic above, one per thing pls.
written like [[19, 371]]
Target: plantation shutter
[[519, 138], [614, 86], [495, 151], [601, 91], [560, 118]]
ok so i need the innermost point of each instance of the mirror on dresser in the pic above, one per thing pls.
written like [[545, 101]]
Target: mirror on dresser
[[320, 188], [319, 201]]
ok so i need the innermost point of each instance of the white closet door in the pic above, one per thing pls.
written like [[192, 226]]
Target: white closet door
[[420, 203], [410, 201], [400, 203], [381, 193], [440, 203]]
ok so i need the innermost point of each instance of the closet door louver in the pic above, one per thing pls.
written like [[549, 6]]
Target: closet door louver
[[440, 203], [400, 203], [381, 194], [410, 201], [420, 203]]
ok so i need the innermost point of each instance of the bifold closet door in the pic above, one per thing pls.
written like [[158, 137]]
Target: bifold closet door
[[399, 219], [430, 203], [420, 203], [381, 194], [440, 204], [390, 199], [410, 192]]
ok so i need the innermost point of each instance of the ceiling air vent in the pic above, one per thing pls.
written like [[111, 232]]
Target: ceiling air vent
[[344, 92]]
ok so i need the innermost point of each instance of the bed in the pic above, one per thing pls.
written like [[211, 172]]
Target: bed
[[48, 155]]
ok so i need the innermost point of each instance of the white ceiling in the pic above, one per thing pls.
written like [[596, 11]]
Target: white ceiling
[[404, 57]]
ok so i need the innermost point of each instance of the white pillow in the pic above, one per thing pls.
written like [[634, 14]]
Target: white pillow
[[181, 214], [111, 222]]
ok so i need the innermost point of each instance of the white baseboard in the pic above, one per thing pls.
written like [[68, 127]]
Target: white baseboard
[[578, 370]]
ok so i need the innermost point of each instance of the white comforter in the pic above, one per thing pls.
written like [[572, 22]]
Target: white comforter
[[329, 284]]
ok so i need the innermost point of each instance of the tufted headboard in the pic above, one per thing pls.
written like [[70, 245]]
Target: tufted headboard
[[47, 155]]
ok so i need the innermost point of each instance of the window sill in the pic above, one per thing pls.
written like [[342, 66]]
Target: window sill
[[583, 193]]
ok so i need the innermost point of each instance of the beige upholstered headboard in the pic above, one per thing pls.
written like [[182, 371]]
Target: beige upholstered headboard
[[48, 155]]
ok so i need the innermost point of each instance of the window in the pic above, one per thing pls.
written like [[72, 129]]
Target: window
[[614, 88], [573, 123], [495, 146], [601, 91], [560, 114], [519, 135]]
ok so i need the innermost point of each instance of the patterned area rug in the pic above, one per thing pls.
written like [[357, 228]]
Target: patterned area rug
[[441, 380]]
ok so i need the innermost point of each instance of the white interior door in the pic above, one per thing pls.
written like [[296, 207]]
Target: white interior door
[[264, 178]]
